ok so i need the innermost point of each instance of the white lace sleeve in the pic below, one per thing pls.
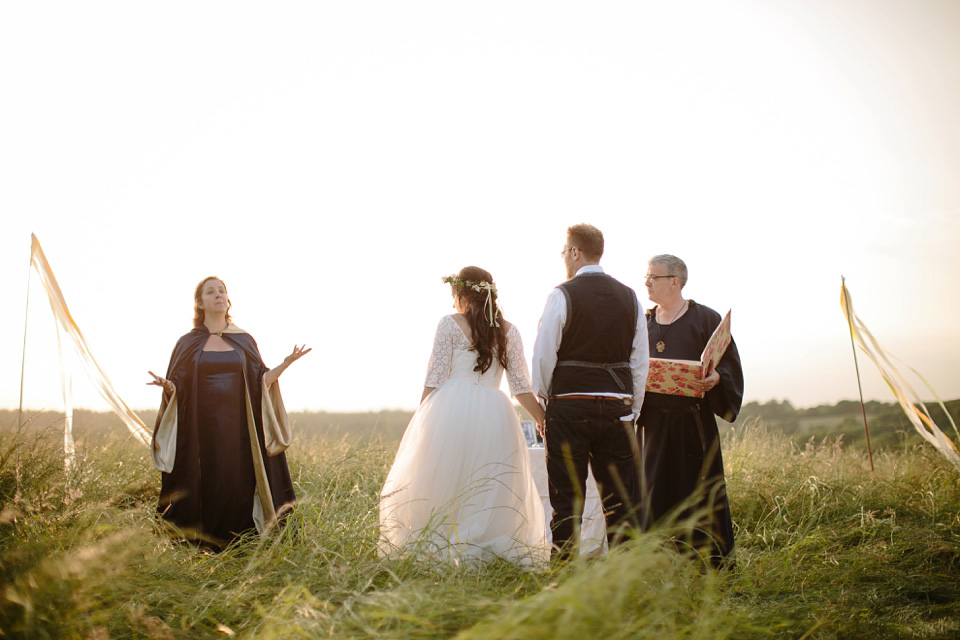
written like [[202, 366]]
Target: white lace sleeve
[[518, 376], [441, 359]]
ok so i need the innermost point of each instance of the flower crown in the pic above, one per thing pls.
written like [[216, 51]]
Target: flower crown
[[477, 285], [493, 307]]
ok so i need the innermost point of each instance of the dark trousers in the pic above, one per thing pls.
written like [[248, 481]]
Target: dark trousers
[[589, 431]]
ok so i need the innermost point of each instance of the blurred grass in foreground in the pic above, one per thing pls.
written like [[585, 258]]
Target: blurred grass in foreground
[[825, 550]]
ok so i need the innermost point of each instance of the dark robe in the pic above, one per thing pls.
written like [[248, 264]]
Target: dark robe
[[682, 480], [209, 493]]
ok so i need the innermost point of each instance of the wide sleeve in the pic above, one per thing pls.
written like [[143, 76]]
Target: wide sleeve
[[441, 358], [277, 430], [164, 442], [725, 398], [518, 376], [164, 445]]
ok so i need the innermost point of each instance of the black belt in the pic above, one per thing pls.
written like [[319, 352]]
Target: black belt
[[589, 397], [606, 366], [690, 408]]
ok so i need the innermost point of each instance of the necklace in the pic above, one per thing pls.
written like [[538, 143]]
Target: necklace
[[219, 334], [661, 345]]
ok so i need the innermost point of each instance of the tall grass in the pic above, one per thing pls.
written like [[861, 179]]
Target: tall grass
[[825, 549]]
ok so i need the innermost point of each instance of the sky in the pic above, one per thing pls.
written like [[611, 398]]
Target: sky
[[332, 161]]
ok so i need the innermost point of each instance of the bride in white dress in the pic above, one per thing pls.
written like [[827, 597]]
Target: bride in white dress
[[460, 488]]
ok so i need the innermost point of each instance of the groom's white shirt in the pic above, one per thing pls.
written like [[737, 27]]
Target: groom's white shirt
[[550, 332]]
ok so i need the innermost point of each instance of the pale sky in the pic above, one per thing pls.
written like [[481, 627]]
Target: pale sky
[[332, 161]]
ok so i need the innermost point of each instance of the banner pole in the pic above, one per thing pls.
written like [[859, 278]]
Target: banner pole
[[23, 357], [856, 366]]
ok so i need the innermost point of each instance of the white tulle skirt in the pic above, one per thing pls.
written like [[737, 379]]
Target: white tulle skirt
[[460, 489]]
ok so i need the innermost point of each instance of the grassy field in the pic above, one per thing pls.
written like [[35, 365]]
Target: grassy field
[[826, 549]]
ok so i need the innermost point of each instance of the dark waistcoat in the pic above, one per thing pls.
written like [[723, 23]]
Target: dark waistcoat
[[594, 353]]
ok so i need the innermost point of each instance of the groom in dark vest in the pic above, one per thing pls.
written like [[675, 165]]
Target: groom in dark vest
[[590, 364]]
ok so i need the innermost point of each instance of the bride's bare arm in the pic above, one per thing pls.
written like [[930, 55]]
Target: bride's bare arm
[[529, 402], [426, 391]]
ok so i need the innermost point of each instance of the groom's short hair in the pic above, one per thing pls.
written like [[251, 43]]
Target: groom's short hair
[[588, 239]]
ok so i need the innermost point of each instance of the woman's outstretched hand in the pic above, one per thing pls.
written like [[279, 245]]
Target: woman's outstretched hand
[[298, 352], [167, 386]]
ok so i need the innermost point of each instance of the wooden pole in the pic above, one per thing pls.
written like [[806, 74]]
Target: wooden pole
[[863, 410], [23, 358]]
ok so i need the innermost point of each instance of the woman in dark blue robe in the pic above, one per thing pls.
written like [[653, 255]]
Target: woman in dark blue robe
[[219, 397], [682, 481]]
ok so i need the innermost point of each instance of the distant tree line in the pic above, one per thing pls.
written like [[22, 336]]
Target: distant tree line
[[387, 425], [886, 421]]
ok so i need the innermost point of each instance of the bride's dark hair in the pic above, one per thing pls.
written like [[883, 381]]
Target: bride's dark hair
[[486, 339]]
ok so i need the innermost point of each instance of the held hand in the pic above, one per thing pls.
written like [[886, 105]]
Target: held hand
[[541, 419], [168, 386], [298, 352]]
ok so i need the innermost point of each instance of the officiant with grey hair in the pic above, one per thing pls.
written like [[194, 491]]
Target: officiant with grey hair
[[682, 483]]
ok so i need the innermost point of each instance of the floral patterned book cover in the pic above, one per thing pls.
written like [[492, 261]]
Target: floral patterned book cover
[[673, 377]]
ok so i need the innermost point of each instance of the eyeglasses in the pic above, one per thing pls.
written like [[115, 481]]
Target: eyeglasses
[[564, 252], [653, 277]]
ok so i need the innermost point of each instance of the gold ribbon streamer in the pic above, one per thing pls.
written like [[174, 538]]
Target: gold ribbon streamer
[[909, 400], [66, 324]]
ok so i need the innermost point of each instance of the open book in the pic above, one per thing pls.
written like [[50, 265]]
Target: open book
[[673, 377]]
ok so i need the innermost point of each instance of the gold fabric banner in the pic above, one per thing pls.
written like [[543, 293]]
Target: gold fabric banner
[[67, 326], [915, 409]]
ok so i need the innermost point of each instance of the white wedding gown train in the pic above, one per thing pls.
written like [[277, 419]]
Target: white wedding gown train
[[460, 488]]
